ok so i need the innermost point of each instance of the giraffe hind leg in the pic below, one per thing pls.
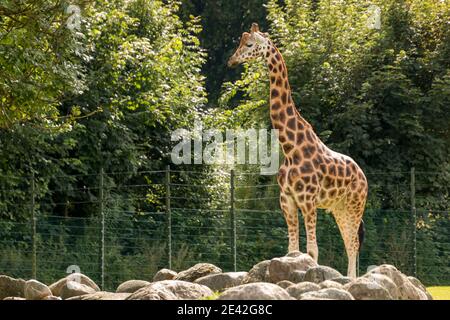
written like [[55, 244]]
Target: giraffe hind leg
[[349, 223]]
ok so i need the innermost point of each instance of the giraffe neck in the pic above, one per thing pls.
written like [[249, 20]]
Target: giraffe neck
[[282, 108]]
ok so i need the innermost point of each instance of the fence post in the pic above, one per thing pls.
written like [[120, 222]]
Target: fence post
[[33, 230], [169, 217], [414, 217], [102, 231], [233, 222]]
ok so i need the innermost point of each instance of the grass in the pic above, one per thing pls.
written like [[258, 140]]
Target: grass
[[439, 293]]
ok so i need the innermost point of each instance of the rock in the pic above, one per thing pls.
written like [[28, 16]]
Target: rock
[[406, 290], [297, 276], [52, 298], [10, 287], [342, 280], [171, 290], [77, 277], [222, 281], [298, 289], [327, 294], [131, 286], [73, 289], [197, 271], [365, 289], [416, 282], [255, 291], [285, 284], [321, 273], [282, 268], [35, 290], [385, 282], [294, 254], [14, 298], [259, 273], [330, 284], [164, 274], [102, 295]]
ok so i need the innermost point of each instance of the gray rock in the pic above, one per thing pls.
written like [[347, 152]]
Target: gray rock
[[255, 291], [222, 281], [14, 298], [131, 286], [35, 290], [197, 271], [327, 294], [365, 289], [10, 287], [52, 298], [406, 290], [282, 268], [171, 290], [102, 295], [164, 274], [294, 254], [416, 282], [259, 273], [73, 289], [330, 284], [298, 289], [385, 282], [285, 284], [342, 280], [321, 273], [77, 277], [297, 276]]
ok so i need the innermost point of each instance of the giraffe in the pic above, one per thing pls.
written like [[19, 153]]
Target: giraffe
[[312, 176]]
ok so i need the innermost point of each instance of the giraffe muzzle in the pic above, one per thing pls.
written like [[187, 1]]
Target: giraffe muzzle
[[232, 63]]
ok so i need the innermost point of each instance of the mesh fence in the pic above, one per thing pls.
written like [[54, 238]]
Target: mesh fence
[[113, 230]]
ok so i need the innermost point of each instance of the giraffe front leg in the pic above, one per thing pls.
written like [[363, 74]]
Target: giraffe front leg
[[290, 213], [310, 219]]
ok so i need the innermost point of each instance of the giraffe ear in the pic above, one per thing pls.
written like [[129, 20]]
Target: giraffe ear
[[254, 28]]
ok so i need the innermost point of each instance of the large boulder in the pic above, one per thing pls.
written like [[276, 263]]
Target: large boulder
[[297, 276], [131, 286], [282, 268], [342, 280], [77, 277], [259, 273], [10, 287], [416, 282], [171, 290], [298, 289], [255, 291], [102, 295], [222, 281], [406, 289], [285, 284], [164, 274], [385, 282], [15, 298], [319, 274], [73, 289], [365, 289], [197, 271], [35, 290], [327, 294], [52, 298], [330, 284]]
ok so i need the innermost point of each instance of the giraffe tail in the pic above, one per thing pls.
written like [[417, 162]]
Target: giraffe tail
[[361, 231]]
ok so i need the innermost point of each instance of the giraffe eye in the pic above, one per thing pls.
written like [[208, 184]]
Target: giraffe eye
[[249, 45]]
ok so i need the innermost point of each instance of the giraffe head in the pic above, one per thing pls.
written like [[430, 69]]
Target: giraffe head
[[252, 46]]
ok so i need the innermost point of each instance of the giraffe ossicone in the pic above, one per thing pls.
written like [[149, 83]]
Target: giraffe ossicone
[[312, 176]]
